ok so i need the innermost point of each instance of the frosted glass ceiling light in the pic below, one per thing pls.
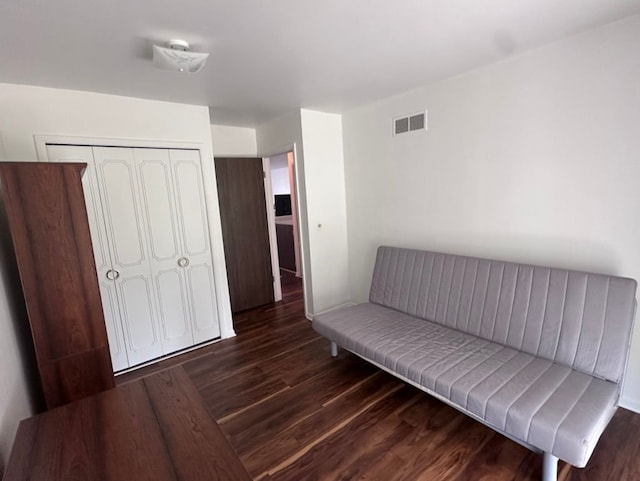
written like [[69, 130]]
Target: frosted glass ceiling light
[[176, 56]]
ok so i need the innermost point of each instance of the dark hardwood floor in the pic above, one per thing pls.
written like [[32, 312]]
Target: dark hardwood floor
[[292, 413], [291, 285]]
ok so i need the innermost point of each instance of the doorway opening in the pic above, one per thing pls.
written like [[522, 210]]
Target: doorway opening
[[280, 190]]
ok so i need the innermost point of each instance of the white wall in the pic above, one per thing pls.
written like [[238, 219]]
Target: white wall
[[25, 111], [535, 159], [2, 154], [17, 398], [234, 141], [326, 208], [280, 181]]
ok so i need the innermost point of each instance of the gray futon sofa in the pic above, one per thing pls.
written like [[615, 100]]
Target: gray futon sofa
[[535, 353]]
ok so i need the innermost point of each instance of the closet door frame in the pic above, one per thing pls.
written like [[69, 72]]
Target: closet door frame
[[223, 304]]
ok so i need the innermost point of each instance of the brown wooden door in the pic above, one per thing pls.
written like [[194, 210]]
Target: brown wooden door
[[245, 231]]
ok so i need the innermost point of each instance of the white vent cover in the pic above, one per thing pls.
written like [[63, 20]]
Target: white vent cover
[[410, 123]]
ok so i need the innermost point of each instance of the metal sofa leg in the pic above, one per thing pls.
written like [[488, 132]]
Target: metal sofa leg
[[334, 349], [549, 467]]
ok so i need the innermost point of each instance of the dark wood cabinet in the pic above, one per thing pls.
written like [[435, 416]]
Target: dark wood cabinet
[[45, 208]]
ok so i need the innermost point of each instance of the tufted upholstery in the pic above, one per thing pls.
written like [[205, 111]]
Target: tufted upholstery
[[573, 318], [534, 352]]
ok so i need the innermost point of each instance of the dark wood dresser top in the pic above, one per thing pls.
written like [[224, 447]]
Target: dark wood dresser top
[[156, 428]]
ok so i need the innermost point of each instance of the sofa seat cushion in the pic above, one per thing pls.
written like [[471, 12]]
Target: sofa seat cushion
[[546, 405]]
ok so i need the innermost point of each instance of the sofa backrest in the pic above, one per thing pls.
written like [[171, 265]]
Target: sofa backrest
[[573, 318]]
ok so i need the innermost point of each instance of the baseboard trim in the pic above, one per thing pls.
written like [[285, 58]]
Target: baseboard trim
[[346, 304], [630, 404], [169, 356], [335, 308]]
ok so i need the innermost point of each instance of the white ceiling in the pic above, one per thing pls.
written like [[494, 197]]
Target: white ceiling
[[270, 57]]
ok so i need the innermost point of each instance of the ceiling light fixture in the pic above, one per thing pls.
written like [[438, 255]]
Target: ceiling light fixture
[[177, 57]]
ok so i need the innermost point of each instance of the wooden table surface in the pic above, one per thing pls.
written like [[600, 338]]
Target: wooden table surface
[[156, 428]]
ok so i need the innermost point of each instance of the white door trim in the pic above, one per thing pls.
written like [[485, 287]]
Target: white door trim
[[271, 225], [300, 217], [41, 141]]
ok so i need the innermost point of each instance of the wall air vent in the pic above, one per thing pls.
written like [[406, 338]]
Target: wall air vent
[[410, 123]]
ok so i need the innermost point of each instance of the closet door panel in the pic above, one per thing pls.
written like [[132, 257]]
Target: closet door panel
[[129, 251], [174, 310], [190, 202], [194, 232], [123, 220], [84, 154], [137, 316], [112, 317], [157, 198], [205, 315], [156, 188], [107, 287]]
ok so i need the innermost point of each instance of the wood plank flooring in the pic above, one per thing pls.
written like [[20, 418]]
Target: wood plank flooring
[[293, 413]]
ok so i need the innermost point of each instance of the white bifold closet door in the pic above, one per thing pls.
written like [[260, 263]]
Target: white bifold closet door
[[195, 245], [151, 242]]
